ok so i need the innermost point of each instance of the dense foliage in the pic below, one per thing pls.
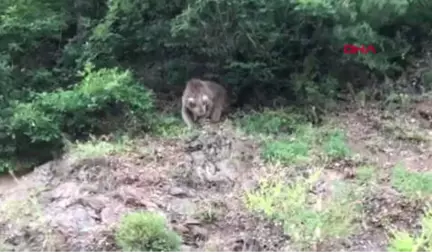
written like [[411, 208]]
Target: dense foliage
[[260, 48]]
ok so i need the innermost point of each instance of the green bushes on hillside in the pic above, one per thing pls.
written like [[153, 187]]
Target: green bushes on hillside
[[36, 128]]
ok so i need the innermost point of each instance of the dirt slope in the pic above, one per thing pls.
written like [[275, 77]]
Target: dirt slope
[[198, 184]]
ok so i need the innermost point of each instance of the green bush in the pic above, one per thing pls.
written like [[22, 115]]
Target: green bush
[[105, 94], [261, 45], [29, 31], [261, 48], [29, 134], [146, 231], [93, 106]]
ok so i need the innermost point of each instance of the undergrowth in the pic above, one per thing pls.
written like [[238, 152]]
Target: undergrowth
[[146, 231], [411, 184], [270, 122], [98, 147], [26, 214], [308, 224], [308, 219], [169, 126], [403, 241], [305, 144]]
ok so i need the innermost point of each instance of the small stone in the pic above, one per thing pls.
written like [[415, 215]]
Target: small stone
[[180, 229], [95, 202], [192, 221], [199, 232], [178, 192], [186, 248], [182, 206]]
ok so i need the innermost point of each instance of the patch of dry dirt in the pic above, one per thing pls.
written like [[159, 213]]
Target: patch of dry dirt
[[81, 200], [384, 139], [388, 138]]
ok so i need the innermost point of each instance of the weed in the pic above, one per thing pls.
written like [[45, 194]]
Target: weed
[[403, 241], [97, 148], [307, 224], [169, 126], [209, 212], [411, 184], [27, 214], [146, 231], [397, 100], [405, 131], [208, 216], [286, 151], [270, 122], [305, 140], [293, 150], [335, 145], [427, 79], [365, 174]]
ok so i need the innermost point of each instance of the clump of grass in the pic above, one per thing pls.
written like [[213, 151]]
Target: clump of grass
[[295, 149], [146, 231], [307, 224], [305, 140], [285, 151], [98, 148], [270, 122], [403, 241], [411, 184], [365, 174], [169, 126], [335, 145]]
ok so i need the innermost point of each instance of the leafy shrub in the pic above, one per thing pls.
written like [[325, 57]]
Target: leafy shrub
[[102, 98], [131, 28], [31, 125], [28, 33], [146, 231], [296, 39], [102, 95], [29, 133]]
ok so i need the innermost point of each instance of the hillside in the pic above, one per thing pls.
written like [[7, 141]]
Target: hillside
[[323, 149], [349, 184]]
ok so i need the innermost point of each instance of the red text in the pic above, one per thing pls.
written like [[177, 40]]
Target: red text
[[353, 49]]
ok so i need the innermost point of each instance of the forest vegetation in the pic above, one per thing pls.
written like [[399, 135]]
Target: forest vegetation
[[72, 71]]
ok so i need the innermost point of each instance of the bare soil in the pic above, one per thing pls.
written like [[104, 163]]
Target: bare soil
[[198, 185]]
